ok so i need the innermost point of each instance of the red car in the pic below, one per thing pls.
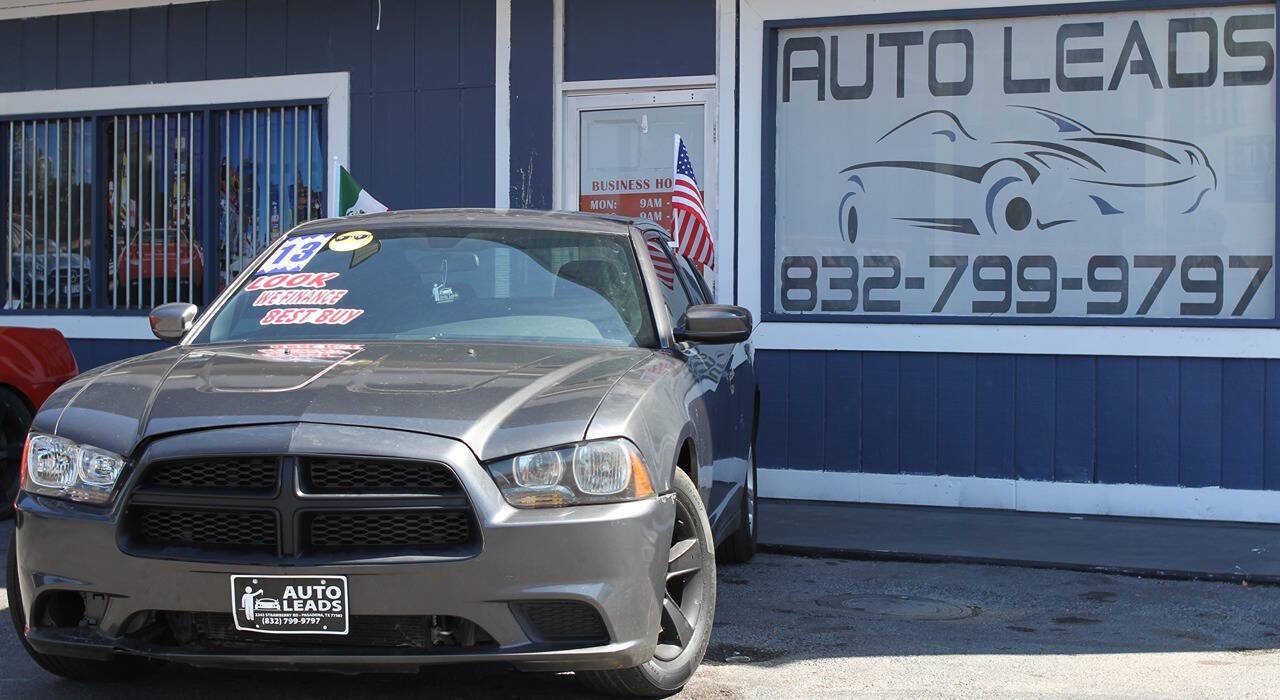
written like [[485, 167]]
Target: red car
[[33, 362], [159, 265]]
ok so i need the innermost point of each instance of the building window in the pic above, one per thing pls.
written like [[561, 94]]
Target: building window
[[152, 224], [48, 196], [271, 171], [126, 211]]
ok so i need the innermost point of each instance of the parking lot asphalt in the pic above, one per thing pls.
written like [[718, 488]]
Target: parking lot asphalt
[[800, 627]]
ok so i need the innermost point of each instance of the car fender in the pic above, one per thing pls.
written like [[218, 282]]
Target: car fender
[[35, 362], [657, 405]]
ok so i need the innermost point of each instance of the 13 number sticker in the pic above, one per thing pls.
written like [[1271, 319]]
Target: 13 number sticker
[[295, 253]]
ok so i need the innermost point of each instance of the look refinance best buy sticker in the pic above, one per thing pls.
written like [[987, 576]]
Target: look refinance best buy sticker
[[296, 252], [312, 315], [349, 241]]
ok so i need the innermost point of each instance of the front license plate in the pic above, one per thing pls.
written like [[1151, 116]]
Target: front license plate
[[290, 604]]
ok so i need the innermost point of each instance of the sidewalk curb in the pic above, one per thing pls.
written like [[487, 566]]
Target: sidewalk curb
[[920, 558]]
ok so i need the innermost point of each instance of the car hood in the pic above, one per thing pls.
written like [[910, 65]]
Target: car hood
[[498, 398]]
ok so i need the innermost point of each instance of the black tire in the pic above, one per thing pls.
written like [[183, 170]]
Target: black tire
[[15, 421], [659, 677], [122, 668], [741, 545]]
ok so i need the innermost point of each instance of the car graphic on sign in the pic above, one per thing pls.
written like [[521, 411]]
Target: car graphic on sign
[[266, 604], [1044, 170]]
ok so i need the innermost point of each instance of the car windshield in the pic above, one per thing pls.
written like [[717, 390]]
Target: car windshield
[[441, 284]]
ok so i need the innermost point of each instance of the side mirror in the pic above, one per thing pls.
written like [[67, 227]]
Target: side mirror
[[172, 321], [714, 323]]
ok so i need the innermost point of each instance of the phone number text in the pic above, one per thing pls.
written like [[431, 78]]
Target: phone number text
[[1115, 285]]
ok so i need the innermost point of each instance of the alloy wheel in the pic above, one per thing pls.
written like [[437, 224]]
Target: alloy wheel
[[682, 603]]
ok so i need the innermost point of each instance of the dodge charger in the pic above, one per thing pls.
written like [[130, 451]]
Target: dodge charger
[[399, 440]]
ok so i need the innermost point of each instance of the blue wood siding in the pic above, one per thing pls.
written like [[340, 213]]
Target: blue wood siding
[[957, 414], [90, 353], [1116, 450], [1124, 420], [611, 39], [532, 102], [422, 81]]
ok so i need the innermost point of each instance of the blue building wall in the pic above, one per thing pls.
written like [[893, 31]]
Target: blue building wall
[[1116, 420], [612, 39], [94, 352], [422, 135], [422, 86], [532, 103]]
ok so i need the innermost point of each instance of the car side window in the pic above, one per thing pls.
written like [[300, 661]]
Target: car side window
[[673, 289], [698, 290]]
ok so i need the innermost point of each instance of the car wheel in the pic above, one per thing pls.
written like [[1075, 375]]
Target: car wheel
[[1008, 200], [688, 608], [117, 669], [849, 218], [15, 421], [741, 545]]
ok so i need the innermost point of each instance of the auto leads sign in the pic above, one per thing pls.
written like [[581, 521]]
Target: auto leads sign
[[1095, 166]]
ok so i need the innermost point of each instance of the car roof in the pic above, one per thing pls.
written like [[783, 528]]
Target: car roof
[[499, 218]]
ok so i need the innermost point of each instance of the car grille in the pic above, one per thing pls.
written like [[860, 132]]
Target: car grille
[[316, 507], [237, 474], [369, 476], [173, 527], [561, 621], [343, 530]]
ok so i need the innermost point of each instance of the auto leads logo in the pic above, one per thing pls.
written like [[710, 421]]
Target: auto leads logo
[[290, 604]]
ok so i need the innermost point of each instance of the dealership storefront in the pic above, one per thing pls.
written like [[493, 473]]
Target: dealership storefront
[[1006, 256]]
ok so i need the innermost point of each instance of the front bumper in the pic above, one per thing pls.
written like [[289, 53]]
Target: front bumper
[[610, 557]]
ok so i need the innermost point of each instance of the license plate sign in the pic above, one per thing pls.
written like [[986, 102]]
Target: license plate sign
[[290, 604]]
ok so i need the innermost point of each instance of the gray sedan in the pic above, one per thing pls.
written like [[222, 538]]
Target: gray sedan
[[400, 440]]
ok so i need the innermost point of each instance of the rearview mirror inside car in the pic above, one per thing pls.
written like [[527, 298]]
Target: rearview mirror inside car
[[172, 321], [714, 323]]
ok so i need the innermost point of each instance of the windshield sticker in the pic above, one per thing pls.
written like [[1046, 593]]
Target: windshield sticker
[[314, 316], [365, 253], [349, 241], [296, 352], [294, 297], [301, 280], [296, 252]]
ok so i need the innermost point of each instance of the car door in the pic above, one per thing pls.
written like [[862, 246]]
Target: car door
[[734, 395], [739, 374], [709, 365]]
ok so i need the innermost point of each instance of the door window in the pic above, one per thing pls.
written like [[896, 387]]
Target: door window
[[673, 292]]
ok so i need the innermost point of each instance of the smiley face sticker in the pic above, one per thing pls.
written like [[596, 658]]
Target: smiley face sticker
[[349, 241]]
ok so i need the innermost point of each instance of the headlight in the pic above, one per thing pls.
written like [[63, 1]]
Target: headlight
[[601, 471], [54, 466]]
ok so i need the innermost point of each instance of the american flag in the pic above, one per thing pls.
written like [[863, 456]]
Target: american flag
[[693, 233], [662, 265]]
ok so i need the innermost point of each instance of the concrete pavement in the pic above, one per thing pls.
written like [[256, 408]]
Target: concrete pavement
[[799, 627]]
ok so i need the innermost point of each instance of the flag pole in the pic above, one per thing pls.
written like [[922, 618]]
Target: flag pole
[[335, 184], [675, 163]]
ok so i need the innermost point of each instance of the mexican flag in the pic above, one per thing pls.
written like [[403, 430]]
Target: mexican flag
[[350, 198]]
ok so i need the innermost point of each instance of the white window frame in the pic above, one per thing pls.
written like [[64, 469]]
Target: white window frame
[[331, 89], [20, 9]]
